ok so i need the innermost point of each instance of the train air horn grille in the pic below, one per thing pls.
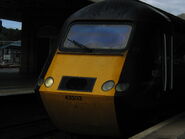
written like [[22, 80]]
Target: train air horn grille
[[82, 84]]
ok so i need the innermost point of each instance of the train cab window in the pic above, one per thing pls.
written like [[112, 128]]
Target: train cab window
[[97, 37]]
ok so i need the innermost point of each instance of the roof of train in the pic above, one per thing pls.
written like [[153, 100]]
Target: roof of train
[[131, 10]]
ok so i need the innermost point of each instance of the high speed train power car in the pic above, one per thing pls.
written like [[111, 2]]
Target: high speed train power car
[[116, 63]]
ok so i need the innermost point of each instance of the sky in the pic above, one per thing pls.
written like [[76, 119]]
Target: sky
[[174, 7], [11, 24]]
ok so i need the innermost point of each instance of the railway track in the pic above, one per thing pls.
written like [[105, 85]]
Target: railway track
[[40, 128], [28, 129], [23, 117]]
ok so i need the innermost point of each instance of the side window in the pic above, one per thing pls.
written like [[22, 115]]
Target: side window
[[154, 60], [156, 72], [157, 52], [179, 61], [179, 50]]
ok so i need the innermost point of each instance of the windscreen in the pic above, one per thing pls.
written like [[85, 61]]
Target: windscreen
[[111, 37]]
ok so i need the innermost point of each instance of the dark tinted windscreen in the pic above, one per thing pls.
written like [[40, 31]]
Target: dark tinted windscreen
[[82, 36]]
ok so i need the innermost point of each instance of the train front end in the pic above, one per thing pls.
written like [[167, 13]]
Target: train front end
[[105, 74], [79, 86]]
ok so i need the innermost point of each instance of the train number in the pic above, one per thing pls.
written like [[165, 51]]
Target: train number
[[73, 97]]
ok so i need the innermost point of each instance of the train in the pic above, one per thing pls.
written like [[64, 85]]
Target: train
[[116, 64]]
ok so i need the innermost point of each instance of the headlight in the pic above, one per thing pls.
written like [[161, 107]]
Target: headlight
[[121, 87], [49, 82], [108, 85], [40, 82]]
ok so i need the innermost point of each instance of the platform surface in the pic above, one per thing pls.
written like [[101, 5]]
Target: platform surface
[[13, 83], [173, 128]]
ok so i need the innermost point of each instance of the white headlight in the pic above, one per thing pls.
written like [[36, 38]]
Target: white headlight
[[108, 85], [49, 82]]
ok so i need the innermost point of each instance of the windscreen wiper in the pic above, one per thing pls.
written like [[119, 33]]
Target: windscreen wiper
[[76, 43]]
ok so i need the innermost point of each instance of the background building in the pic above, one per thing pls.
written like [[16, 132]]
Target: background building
[[10, 53]]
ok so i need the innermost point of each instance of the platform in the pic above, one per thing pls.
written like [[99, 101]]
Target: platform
[[173, 128], [13, 83]]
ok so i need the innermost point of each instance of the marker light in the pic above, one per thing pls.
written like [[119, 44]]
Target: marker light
[[49, 82], [40, 82], [121, 87], [108, 85]]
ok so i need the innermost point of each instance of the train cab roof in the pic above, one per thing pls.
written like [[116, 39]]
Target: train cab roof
[[119, 10], [132, 11]]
